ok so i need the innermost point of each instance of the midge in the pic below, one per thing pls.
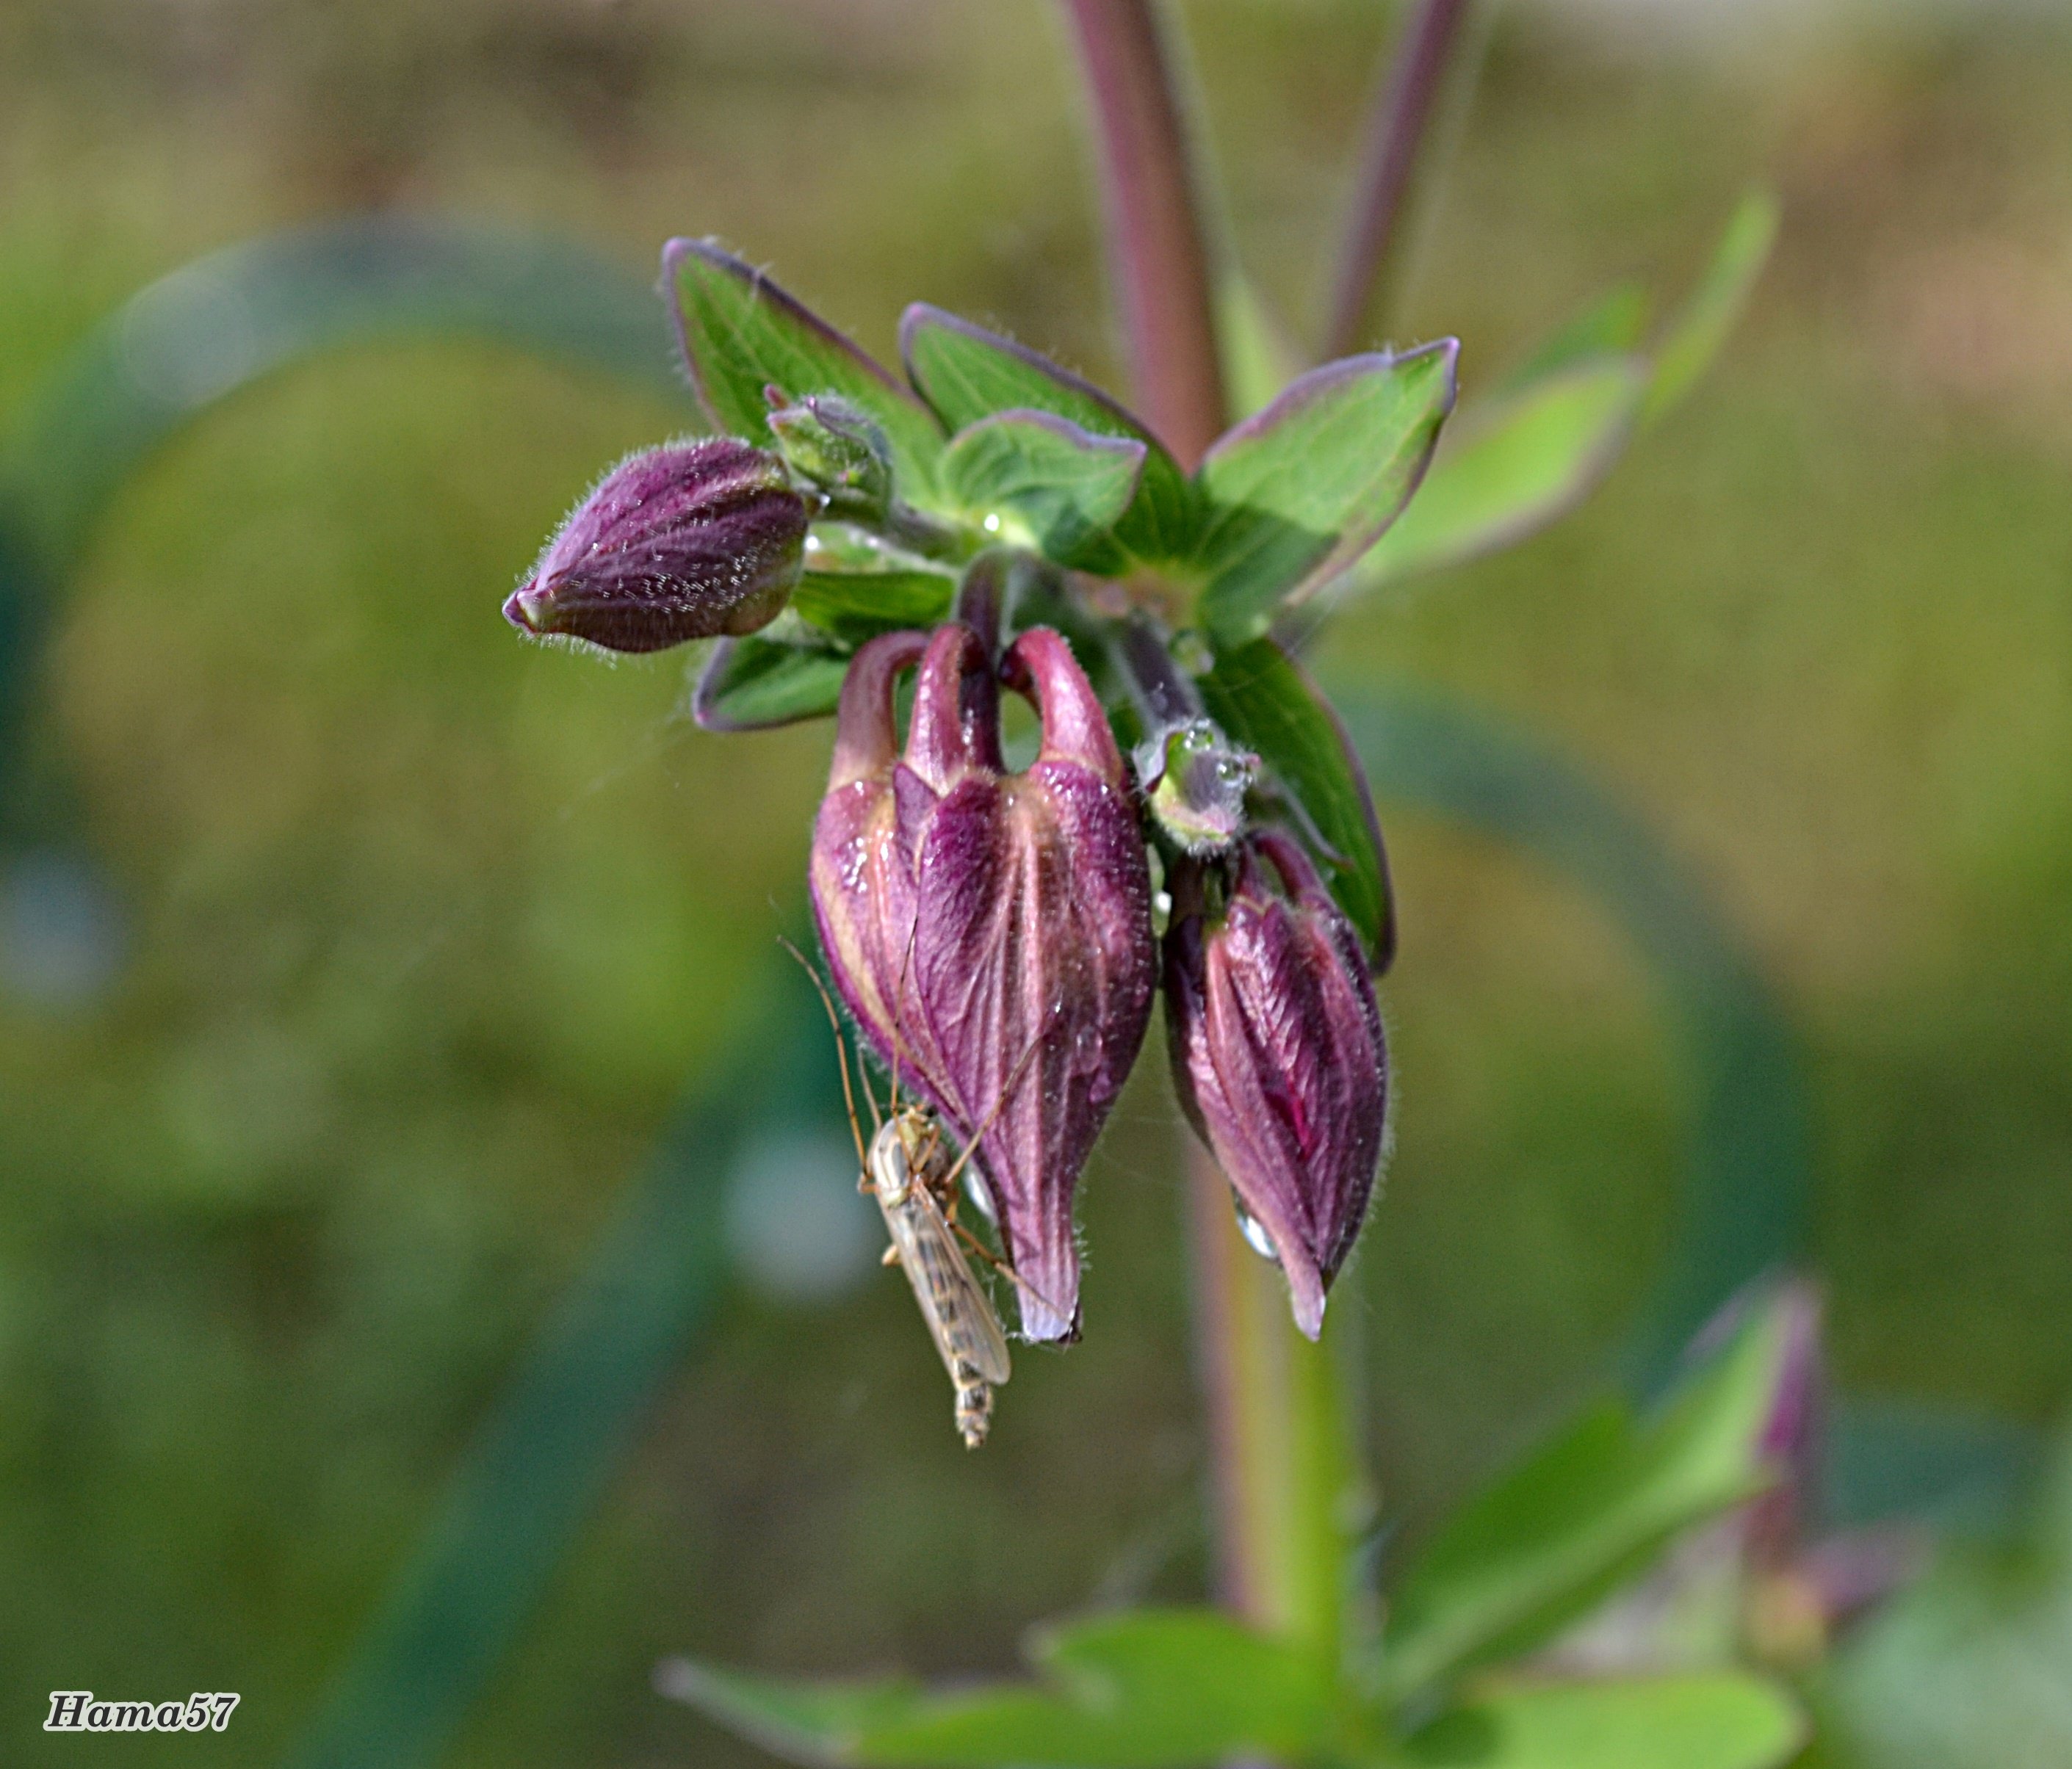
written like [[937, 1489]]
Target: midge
[[908, 1168], [909, 1171]]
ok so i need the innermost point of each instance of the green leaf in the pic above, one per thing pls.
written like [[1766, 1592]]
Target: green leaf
[[1613, 325], [968, 373], [1972, 1668], [749, 684], [1717, 1720], [1259, 695], [1067, 486], [1583, 1514], [1512, 465], [1297, 492], [741, 333], [852, 606], [1695, 338], [1150, 1690]]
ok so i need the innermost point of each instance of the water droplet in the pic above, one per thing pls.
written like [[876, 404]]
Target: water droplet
[[1255, 1236]]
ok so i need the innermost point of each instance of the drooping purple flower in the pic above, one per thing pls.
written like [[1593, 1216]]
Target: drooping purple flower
[[690, 540], [1278, 1054], [992, 932]]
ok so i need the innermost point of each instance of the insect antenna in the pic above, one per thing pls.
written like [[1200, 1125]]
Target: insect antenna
[[949, 1179], [841, 1056], [898, 1008]]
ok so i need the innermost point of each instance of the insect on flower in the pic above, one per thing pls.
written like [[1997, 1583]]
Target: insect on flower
[[909, 1169]]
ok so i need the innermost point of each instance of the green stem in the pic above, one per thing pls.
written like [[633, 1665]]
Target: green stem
[[1289, 1493], [1285, 1478]]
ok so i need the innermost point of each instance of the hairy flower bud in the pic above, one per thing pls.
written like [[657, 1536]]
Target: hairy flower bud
[[992, 932], [1194, 780], [1277, 1055], [691, 540]]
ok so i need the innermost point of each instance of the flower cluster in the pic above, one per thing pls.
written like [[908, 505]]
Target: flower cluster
[[1191, 814]]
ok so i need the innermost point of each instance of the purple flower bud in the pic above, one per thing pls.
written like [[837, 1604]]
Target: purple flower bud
[[1278, 1056], [992, 932], [690, 540]]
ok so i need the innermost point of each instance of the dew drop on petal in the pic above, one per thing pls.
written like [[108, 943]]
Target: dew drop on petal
[[1255, 1235]]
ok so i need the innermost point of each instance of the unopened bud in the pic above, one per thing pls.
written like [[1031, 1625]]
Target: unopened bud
[[690, 540], [1194, 779], [836, 445], [1277, 1053]]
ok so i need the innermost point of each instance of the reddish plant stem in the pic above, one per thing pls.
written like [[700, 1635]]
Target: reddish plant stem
[[1277, 1441], [1157, 249], [1397, 127]]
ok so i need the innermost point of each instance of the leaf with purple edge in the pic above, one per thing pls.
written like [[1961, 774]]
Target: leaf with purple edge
[[742, 333], [751, 684], [967, 373], [1261, 697], [851, 606], [1066, 485], [1296, 493]]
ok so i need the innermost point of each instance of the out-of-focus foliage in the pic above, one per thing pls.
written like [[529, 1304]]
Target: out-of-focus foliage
[[406, 937], [1968, 1670], [1153, 1689]]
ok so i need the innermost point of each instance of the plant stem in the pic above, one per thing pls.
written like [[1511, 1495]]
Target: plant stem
[[1288, 1486], [1157, 249], [1284, 1475], [1163, 694], [1397, 127]]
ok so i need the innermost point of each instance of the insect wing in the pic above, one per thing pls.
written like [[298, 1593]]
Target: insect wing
[[958, 1313]]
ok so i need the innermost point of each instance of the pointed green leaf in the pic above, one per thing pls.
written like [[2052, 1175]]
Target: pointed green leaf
[[1261, 696], [749, 684], [1613, 325], [967, 373], [1150, 1690], [742, 333], [1067, 486], [1582, 1513], [852, 606], [1510, 465], [1715, 1719], [1296, 493], [1697, 334]]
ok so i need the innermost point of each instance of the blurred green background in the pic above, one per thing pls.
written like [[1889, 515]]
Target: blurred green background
[[403, 939]]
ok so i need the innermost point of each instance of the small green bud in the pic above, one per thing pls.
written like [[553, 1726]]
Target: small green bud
[[1194, 779], [833, 444]]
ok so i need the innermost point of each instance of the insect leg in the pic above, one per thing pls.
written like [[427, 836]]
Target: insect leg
[[841, 1055]]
